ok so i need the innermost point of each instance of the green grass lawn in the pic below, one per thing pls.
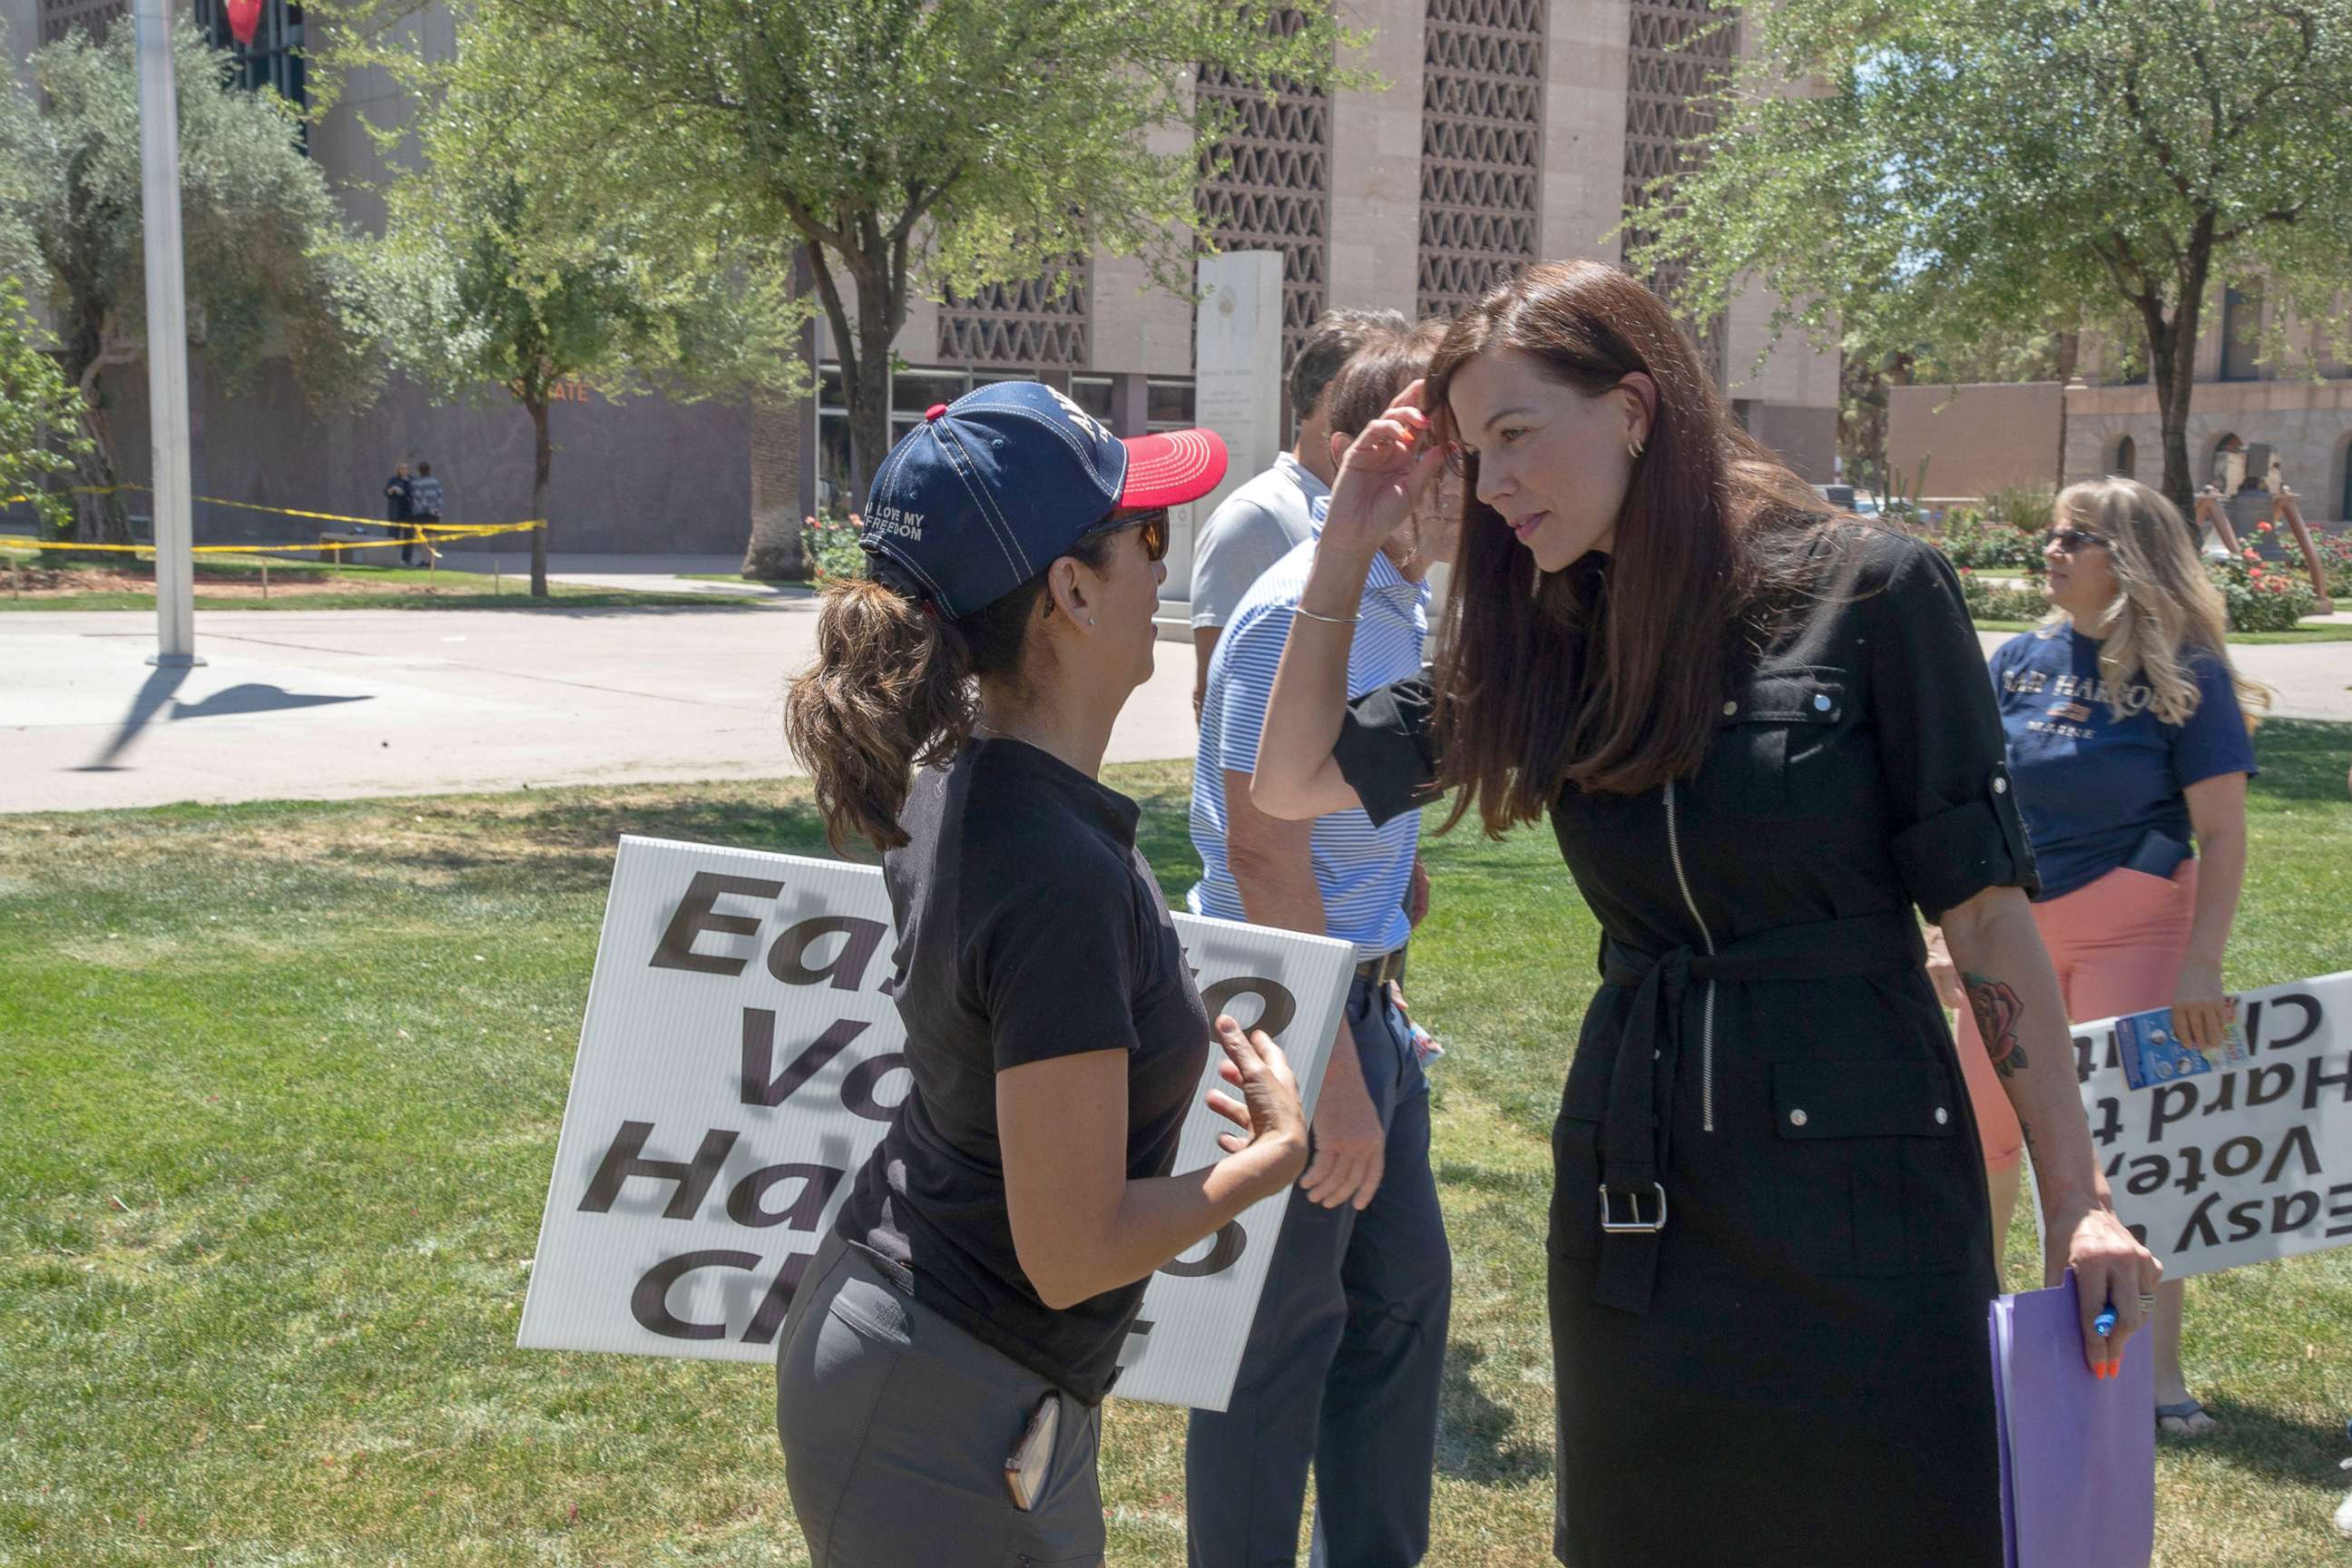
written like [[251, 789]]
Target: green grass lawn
[[737, 578], [235, 583], [281, 1085]]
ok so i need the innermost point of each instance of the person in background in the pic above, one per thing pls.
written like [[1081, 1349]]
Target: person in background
[[1272, 513], [396, 492], [425, 503], [954, 1336], [1756, 727], [1347, 1353], [2129, 739]]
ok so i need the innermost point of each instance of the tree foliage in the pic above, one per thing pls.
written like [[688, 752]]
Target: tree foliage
[[913, 146], [1948, 176], [517, 261], [262, 266], [40, 415]]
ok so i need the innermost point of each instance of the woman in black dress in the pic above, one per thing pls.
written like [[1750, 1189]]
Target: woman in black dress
[[1759, 735]]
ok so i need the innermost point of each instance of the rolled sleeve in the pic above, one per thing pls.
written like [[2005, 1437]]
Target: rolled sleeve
[[1386, 750], [1941, 751]]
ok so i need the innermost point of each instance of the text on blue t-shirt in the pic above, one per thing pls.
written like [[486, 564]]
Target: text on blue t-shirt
[[2093, 788]]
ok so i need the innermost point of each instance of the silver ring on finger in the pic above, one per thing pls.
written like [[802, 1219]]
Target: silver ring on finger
[[2148, 1300]]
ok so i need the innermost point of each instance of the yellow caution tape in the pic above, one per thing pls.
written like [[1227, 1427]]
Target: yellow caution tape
[[458, 529]]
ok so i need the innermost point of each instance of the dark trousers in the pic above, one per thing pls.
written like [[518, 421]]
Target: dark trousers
[[1345, 1359]]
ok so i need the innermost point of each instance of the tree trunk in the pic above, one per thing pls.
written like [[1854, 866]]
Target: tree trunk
[[879, 267], [542, 459], [777, 551], [2070, 354], [2173, 362], [100, 515], [867, 384]]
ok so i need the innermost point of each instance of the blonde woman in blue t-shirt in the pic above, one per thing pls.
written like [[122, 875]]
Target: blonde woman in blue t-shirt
[[2130, 742]]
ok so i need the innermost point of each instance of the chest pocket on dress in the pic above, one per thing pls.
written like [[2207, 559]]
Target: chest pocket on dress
[[1869, 1179], [1763, 734]]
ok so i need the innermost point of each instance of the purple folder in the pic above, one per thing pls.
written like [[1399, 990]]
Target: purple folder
[[2077, 1453]]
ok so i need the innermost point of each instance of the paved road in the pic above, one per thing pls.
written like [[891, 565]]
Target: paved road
[[317, 705], [333, 704]]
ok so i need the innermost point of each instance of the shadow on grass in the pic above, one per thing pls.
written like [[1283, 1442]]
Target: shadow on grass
[[568, 844], [1473, 1432], [2260, 1442], [2302, 760]]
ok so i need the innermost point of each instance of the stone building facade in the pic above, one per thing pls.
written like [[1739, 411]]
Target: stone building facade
[[1508, 132], [2246, 409]]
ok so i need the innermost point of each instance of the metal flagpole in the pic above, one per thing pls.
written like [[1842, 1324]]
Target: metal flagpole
[[167, 339]]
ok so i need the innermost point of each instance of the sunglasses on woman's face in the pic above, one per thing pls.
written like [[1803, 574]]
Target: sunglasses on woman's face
[[2074, 541], [1154, 524]]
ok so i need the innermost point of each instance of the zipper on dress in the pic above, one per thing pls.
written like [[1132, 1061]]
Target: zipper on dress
[[1707, 1007]]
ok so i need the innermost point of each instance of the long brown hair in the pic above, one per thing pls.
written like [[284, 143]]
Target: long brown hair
[[893, 687], [1609, 680]]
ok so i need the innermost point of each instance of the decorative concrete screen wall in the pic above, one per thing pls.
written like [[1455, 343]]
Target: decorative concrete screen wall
[[1276, 193], [1680, 56], [1481, 146], [1023, 326]]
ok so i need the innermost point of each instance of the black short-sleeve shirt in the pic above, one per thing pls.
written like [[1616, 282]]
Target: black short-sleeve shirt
[[1029, 928]]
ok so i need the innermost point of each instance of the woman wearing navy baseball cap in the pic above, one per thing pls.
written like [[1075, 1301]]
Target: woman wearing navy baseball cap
[[939, 1378]]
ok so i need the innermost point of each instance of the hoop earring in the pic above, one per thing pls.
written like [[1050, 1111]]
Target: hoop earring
[[1633, 448]]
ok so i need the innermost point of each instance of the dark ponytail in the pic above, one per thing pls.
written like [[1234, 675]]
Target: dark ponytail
[[893, 689]]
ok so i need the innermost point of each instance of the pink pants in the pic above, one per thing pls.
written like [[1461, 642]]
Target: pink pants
[[2118, 946]]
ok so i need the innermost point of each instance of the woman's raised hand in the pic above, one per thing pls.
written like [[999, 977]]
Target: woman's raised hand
[[1269, 1112], [1392, 461]]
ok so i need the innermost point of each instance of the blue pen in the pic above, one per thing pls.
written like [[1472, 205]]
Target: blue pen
[[2105, 1325]]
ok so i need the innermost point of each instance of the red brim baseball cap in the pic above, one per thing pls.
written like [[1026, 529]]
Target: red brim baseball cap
[[1170, 469]]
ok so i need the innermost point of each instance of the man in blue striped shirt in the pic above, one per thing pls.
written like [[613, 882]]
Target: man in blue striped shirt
[[1347, 1353]]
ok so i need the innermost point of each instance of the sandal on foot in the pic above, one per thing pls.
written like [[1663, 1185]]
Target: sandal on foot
[[2184, 1412]]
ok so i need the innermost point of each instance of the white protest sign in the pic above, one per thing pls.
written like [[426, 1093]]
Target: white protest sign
[[2249, 1162], [740, 1059]]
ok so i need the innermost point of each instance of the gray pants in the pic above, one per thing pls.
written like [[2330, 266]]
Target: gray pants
[[897, 1423]]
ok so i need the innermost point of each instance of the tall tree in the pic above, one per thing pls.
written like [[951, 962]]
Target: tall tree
[[259, 230], [915, 146], [1972, 171], [526, 271]]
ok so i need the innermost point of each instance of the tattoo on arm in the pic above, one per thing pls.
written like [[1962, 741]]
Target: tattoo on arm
[[1997, 1011]]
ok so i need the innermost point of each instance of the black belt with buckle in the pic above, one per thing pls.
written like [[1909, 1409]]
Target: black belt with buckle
[[1633, 1132], [1381, 970]]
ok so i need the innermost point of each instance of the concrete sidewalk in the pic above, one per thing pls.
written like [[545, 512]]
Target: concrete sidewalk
[[645, 574], [318, 705], [331, 704]]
